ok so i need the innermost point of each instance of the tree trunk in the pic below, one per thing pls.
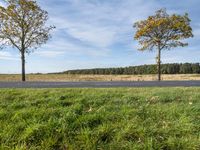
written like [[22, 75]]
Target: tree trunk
[[159, 63], [23, 66]]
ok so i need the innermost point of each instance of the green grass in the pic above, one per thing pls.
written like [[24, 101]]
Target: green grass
[[116, 119]]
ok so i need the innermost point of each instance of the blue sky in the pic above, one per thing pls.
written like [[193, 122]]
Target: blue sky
[[99, 33]]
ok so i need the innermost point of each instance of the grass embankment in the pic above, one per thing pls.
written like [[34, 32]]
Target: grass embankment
[[67, 77], [130, 118]]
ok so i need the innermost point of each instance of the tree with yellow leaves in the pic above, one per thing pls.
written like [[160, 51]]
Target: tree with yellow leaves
[[22, 25], [162, 31]]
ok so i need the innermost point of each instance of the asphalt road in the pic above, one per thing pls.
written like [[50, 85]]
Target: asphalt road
[[99, 84]]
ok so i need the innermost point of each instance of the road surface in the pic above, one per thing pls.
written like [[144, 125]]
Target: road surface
[[99, 84]]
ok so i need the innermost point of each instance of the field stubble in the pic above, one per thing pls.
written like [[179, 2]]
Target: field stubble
[[67, 77]]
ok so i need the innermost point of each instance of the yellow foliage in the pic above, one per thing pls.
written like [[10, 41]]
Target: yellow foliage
[[163, 29]]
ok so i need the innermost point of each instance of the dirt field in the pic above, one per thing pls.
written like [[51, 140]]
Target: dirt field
[[66, 77]]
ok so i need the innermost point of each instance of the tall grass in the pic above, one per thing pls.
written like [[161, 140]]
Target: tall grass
[[118, 119]]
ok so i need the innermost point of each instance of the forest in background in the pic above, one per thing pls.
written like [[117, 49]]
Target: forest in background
[[173, 68]]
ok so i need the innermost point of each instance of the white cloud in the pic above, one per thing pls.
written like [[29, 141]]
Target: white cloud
[[94, 25], [61, 47], [2, 4], [196, 33], [4, 55], [94, 35], [49, 53]]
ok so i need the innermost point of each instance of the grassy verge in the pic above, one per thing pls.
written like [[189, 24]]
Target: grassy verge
[[129, 118], [67, 77]]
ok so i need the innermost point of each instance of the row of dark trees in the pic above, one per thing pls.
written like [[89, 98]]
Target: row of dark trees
[[175, 68]]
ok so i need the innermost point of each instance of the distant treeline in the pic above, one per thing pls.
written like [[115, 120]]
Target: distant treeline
[[175, 68]]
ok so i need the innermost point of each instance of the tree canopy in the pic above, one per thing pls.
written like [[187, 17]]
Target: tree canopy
[[23, 26], [164, 30]]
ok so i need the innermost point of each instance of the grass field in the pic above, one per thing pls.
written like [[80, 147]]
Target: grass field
[[116, 119], [66, 77]]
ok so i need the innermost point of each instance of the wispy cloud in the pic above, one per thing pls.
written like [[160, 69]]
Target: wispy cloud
[[4, 55], [95, 26], [2, 3], [50, 53], [99, 33], [197, 32], [62, 46]]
